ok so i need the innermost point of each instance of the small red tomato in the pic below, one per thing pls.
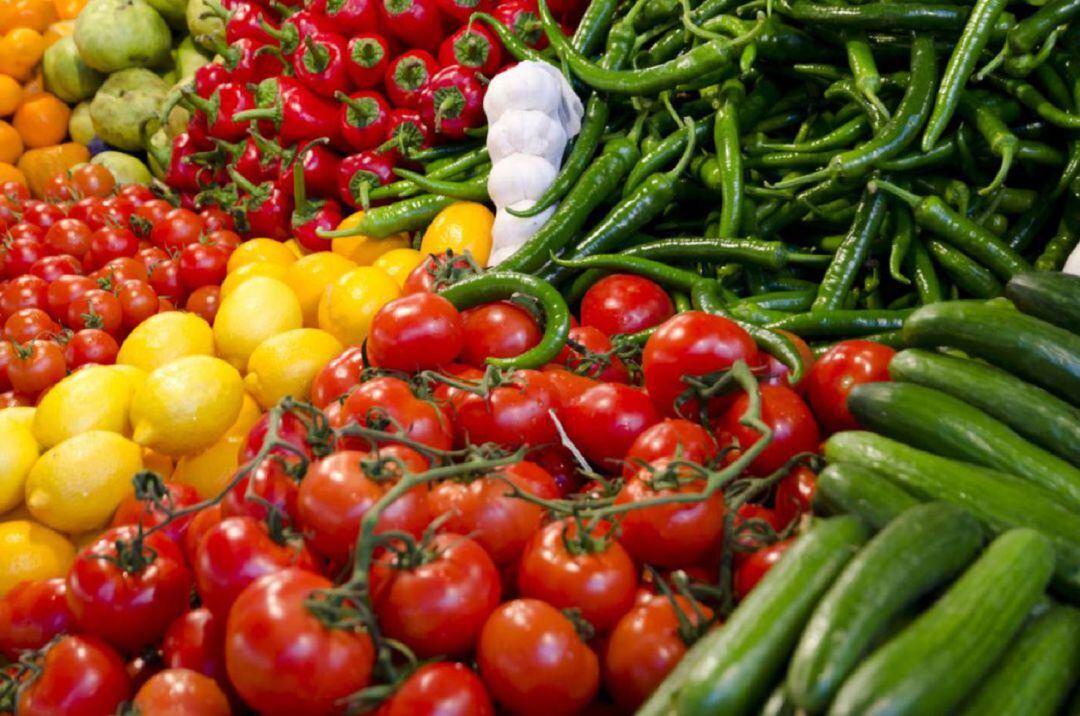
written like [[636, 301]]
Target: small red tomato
[[441, 688], [93, 180], [36, 366], [196, 641], [202, 265], [108, 243], [624, 303], [204, 302], [69, 236], [31, 614], [604, 421], [136, 512], [589, 352], [337, 377], [756, 566], [51, 268], [497, 330], [795, 494], [792, 424], [421, 331], [835, 373], [97, 308], [670, 438], [138, 301], [63, 291], [81, 675], [177, 229], [28, 324], [90, 346], [181, 692]]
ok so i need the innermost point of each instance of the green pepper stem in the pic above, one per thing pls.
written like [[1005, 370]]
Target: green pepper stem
[[911, 198]]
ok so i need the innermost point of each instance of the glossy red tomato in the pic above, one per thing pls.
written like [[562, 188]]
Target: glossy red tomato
[[138, 301], [442, 688], [31, 614], [589, 352], [196, 641], [692, 344], [567, 385], [534, 662], [561, 464], [593, 574], [840, 369], [773, 372], [89, 211], [676, 534], [793, 426], [181, 692], [41, 213], [497, 330], [108, 243], [63, 291], [204, 302], [80, 676], [440, 605], [202, 265], [514, 413], [23, 292], [53, 267], [165, 280], [755, 527], [69, 236], [645, 646], [36, 366], [420, 331], [129, 609], [291, 429], [28, 324], [124, 268], [795, 494], [269, 486], [605, 421], [92, 180], [137, 193], [437, 271], [670, 438], [175, 230], [132, 511], [485, 509], [389, 404], [282, 659], [215, 219], [756, 566], [148, 215], [624, 303], [97, 308], [337, 377]]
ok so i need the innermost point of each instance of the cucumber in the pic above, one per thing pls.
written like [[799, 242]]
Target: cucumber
[[1049, 295], [939, 423], [1037, 671], [732, 669], [998, 500], [779, 704], [1031, 411], [842, 487], [1025, 346], [919, 551], [930, 666]]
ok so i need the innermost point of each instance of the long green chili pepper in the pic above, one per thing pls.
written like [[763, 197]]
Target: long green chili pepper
[[842, 322], [410, 214], [902, 239], [889, 16], [852, 253], [449, 170], [449, 152], [864, 69], [788, 301], [1054, 85], [965, 273], [1071, 170], [669, 276], [594, 25], [1033, 98], [961, 64], [513, 44], [1058, 248], [846, 89], [497, 285], [665, 153], [1023, 230], [1002, 142], [791, 211], [926, 280], [729, 158], [843, 136], [1036, 28], [469, 190], [934, 215]]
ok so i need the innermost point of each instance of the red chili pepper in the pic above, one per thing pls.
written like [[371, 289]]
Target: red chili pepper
[[250, 62], [320, 170], [297, 26], [365, 119], [415, 22], [407, 74], [352, 17], [309, 217], [253, 159], [472, 46], [523, 18], [294, 113], [368, 56], [247, 22], [453, 101], [360, 173], [320, 63], [461, 10], [222, 109], [209, 77], [406, 134], [184, 174], [265, 211]]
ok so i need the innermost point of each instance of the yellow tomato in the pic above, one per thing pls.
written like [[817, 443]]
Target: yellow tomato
[[18, 453], [258, 250], [399, 263], [29, 552], [164, 337], [287, 363], [351, 302], [363, 250], [309, 277], [94, 398], [257, 309], [266, 269], [460, 227]]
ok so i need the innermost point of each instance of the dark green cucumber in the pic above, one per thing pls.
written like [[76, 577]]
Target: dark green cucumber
[[939, 423], [1036, 673], [846, 488], [1049, 295], [1031, 411], [919, 551], [1025, 346], [779, 704], [733, 669], [998, 500], [930, 666]]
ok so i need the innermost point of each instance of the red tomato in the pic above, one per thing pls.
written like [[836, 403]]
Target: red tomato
[[645, 646], [36, 366], [840, 369], [442, 688], [282, 659], [337, 377], [31, 614], [752, 537], [133, 511], [69, 236], [624, 303], [513, 414], [90, 346], [389, 404], [200, 524], [567, 385], [137, 193], [51, 268], [497, 330], [129, 609], [7, 355], [138, 301], [534, 662], [439, 605], [597, 577], [589, 352], [794, 429], [421, 331], [795, 494], [202, 265], [436, 271], [560, 463], [676, 534], [196, 641], [692, 344], [23, 292], [97, 308], [271, 486], [41, 213], [177, 229], [756, 566], [165, 280], [124, 268], [149, 215], [485, 508], [28, 324], [204, 302], [108, 243], [92, 180], [216, 220], [291, 429], [670, 438], [604, 422], [181, 692], [773, 372], [80, 676], [63, 291]]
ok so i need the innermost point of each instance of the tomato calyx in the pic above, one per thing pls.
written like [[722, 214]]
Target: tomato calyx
[[689, 630], [584, 629]]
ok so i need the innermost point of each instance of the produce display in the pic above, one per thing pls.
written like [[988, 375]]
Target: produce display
[[539, 357]]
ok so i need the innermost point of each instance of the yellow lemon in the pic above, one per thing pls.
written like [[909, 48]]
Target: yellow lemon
[[187, 405], [134, 376], [349, 304], [248, 271], [209, 471], [18, 453], [76, 485], [361, 249], [164, 337], [94, 398], [399, 263], [20, 415], [298, 250], [250, 412], [258, 250], [287, 363], [309, 277], [29, 552], [460, 227], [259, 308]]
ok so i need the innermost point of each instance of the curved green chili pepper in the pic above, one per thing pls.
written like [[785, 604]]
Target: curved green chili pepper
[[410, 214], [448, 170], [469, 190], [842, 322], [513, 44], [902, 239], [729, 158], [968, 275], [852, 253], [1002, 142]]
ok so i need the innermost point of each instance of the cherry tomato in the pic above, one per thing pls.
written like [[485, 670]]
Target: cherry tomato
[[165, 280], [181, 692], [148, 215], [89, 211], [69, 236], [58, 189], [604, 421], [51, 268], [421, 331], [36, 366], [80, 676], [773, 372], [123, 268], [670, 438], [439, 605], [795, 494], [7, 355], [129, 606], [132, 511], [756, 566], [31, 614], [202, 265], [793, 426], [436, 271], [177, 229], [108, 243], [90, 346], [196, 641], [513, 414], [291, 429], [63, 291], [216, 219], [200, 524], [272, 485], [41, 213], [138, 301], [389, 404], [23, 292], [497, 330], [752, 537], [441, 688], [840, 369], [282, 659], [92, 180], [97, 308], [589, 352], [28, 324], [534, 662], [137, 193], [593, 574], [19, 254], [337, 377], [624, 303], [204, 302]]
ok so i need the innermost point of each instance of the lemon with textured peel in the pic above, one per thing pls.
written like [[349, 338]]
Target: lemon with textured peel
[[259, 250], [21, 414], [362, 249], [350, 303], [309, 277], [186, 406], [287, 363], [209, 471], [18, 453], [258, 308], [76, 486], [247, 272], [399, 263], [164, 337], [29, 552], [94, 398]]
